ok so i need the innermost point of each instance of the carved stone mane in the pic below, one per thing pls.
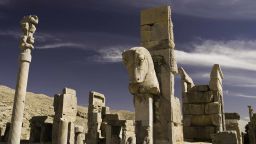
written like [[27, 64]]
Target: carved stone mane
[[140, 66]]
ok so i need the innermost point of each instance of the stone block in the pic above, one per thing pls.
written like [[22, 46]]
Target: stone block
[[199, 133], [193, 109], [204, 120], [176, 110], [213, 108], [96, 99], [232, 116], [201, 88], [226, 137], [159, 31], [198, 97], [69, 91], [217, 95], [153, 15], [146, 36], [79, 129], [215, 84], [186, 120], [105, 111]]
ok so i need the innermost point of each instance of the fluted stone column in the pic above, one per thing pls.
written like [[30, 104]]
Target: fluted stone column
[[28, 27]]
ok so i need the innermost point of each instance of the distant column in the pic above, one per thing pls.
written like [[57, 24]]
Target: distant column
[[28, 25]]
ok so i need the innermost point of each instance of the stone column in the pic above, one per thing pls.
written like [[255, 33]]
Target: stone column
[[79, 135], [144, 119], [108, 134], [65, 107], [28, 24], [156, 29], [63, 132]]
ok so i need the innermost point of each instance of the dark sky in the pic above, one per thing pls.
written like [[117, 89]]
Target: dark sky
[[79, 42]]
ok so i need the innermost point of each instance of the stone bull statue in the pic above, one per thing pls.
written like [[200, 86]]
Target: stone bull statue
[[144, 86]]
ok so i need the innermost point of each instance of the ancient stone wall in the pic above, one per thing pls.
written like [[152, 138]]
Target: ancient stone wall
[[202, 108], [35, 113]]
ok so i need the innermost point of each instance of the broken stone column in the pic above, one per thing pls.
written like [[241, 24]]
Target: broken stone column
[[28, 25], [251, 129], [157, 36], [63, 132], [144, 86], [232, 124], [65, 108], [202, 107], [215, 85], [79, 135], [95, 112]]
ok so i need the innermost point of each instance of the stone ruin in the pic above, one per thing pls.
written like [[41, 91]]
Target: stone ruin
[[232, 124], [203, 113], [65, 108], [107, 128], [158, 115], [152, 70], [250, 129]]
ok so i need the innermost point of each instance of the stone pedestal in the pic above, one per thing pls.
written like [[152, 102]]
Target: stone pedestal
[[144, 118], [28, 26]]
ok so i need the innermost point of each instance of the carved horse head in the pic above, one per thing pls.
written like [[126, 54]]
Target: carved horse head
[[140, 66]]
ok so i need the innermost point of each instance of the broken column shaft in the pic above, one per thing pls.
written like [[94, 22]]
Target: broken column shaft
[[28, 26]]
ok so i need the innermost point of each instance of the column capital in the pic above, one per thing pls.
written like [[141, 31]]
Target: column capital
[[28, 26]]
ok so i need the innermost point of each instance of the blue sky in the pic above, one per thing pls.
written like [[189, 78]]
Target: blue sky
[[79, 42]]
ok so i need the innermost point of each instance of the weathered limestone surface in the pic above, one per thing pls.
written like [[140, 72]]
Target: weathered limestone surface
[[144, 86], [251, 127], [79, 135], [95, 113], [232, 124], [39, 114], [28, 25], [157, 36], [202, 107], [226, 137], [65, 108]]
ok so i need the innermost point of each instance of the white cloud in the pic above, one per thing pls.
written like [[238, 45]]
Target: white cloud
[[113, 54], [60, 45], [13, 34], [237, 54], [244, 96]]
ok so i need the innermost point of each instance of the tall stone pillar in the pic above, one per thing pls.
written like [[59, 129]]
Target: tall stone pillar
[[157, 36], [28, 25], [144, 119], [79, 135], [63, 132], [65, 108], [96, 110]]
